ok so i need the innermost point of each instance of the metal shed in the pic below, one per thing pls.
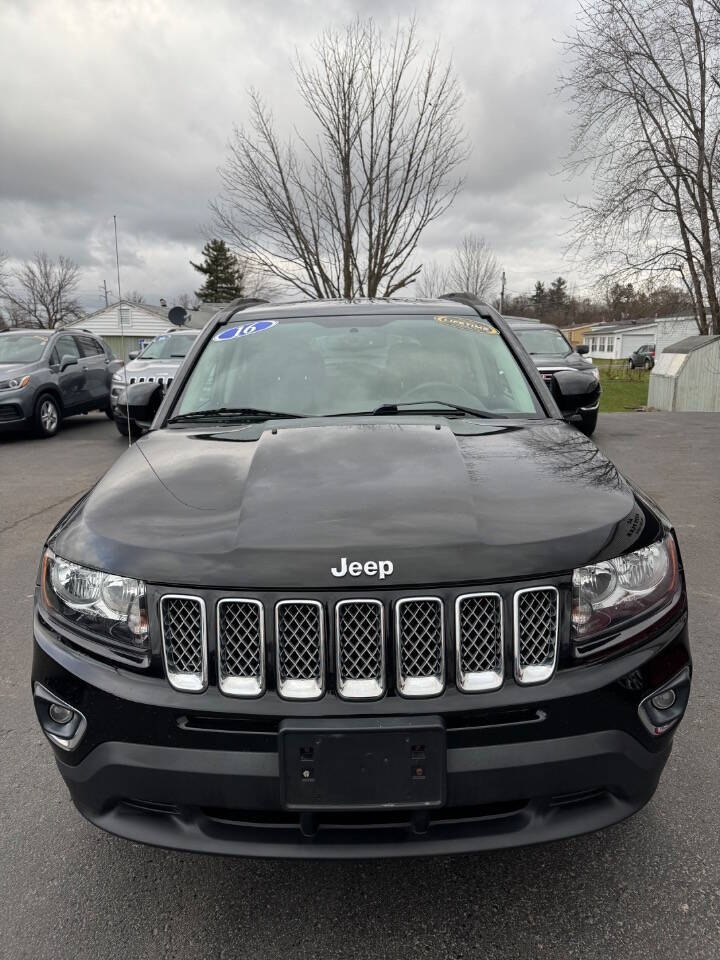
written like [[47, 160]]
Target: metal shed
[[686, 376]]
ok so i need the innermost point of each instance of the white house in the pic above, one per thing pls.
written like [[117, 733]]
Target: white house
[[618, 341], [127, 326], [610, 341]]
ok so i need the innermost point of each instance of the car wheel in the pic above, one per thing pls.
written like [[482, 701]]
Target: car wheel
[[108, 412], [648, 365], [631, 365], [47, 417], [588, 423], [122, 426]]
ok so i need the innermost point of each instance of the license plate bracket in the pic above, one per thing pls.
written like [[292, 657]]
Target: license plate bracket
[[386, 763]]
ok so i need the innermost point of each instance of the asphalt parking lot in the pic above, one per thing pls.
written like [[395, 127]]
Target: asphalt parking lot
[[649, 887]]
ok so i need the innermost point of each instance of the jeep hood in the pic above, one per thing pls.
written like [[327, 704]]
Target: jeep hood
[[444, 501]]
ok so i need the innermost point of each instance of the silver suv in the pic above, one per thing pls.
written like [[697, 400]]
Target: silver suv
[[158, 362]]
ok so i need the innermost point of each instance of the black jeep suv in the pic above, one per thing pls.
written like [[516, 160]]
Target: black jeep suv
[[550, 353], [46, 375], [360, 591]]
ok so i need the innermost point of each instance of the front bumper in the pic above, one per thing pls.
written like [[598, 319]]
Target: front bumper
[[543, 763], [16, 408]]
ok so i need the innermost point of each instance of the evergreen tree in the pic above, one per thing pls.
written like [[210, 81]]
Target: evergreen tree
[[557, 295], [539, 298], [224, 275]]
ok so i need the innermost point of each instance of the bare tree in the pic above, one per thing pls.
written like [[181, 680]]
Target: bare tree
[[645, 88], [340, 213], [474, 267], [135, 297], [434, 280], [42, 291]]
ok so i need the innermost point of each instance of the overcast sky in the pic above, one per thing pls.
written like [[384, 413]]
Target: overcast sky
[[126, 108]]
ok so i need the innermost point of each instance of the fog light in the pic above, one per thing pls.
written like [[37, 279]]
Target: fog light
[[664, 700], [60, 714]]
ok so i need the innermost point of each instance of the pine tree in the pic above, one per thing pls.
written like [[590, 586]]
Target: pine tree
[[225, 277], [539, 298]]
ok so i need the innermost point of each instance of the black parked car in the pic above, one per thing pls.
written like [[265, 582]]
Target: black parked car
[[360, 591], [551, 352], [157, 363], [643, 357], [47, 375]]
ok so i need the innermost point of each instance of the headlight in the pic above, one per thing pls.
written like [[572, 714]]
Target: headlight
[[607, 594], [118, 377], [595, 372], [105, 607], [16, 384]]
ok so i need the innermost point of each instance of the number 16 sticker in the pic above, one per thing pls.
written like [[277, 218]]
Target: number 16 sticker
[[245, 329]]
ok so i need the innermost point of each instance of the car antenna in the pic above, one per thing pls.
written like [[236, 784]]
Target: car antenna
[[122, 331]]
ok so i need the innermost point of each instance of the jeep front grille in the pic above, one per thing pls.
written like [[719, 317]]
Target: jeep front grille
[[184, 636], [360, 648], [420, 641], [300, 649], [241, 647], [479, 642], [536, 634]]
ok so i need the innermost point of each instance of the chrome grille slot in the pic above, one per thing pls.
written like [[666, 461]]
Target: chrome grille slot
[[420, 643], [300, 649], [536, 633], [184, 636], [241, 647], [479, 642], [360, 647]]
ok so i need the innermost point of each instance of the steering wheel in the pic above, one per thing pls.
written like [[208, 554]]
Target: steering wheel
[[424, 391]]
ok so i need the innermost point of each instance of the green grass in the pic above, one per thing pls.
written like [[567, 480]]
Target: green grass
[[623, 389]]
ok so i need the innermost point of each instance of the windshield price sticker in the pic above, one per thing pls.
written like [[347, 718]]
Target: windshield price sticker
[[464, 324], [245, 329]]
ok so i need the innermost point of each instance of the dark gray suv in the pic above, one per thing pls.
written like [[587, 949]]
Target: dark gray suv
[[47, 375]]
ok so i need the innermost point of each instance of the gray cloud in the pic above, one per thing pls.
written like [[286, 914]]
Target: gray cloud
[[126, 108]]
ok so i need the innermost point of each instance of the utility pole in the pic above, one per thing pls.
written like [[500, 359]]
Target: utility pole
[[502, 294], [105, 293]]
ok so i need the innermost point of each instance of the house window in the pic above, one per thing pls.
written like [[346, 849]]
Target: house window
[[125, 317], [601, 344]]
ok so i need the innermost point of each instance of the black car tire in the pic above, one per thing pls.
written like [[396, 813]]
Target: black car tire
[[631, 363], [588, 423], [122, 426], [47, 416], [648, 364], [108, 412]]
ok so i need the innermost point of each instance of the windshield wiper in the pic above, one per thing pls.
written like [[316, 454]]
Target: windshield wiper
[[234, 413], [388, 409]]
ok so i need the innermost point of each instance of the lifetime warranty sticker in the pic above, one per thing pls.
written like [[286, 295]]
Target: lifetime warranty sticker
[[464, 324]]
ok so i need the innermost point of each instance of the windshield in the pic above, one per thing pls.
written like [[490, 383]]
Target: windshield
[[22, 347], [168, 346], [355, 364], [544, 341]]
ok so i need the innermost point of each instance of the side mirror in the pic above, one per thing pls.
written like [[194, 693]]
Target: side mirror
[[574, 389], [67, 361], [583, 348], [133, 354], [140, 403]]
